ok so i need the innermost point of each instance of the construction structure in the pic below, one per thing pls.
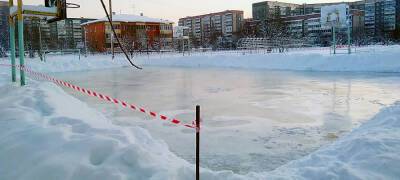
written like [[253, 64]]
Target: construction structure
[[137, 33], [52, 11]]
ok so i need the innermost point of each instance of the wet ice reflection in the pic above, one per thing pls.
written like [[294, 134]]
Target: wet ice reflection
[[253, 120]]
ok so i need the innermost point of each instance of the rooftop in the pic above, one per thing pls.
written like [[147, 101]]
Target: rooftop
[[130, 18]]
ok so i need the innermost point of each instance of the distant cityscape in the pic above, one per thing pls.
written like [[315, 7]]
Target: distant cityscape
[[371, 21]]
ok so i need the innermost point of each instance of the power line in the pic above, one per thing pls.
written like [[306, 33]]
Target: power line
[[116, 37]]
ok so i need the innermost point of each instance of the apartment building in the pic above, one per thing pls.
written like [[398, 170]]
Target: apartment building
[[64, 34], [205, 28], [381, 18], [136, 32], [270, 9], [70, 33], [309, 26]]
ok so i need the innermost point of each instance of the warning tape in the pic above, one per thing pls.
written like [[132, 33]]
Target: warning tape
[[105, 97]]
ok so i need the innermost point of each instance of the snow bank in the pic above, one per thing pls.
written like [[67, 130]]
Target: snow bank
[[47, 134], [369, 152], [66, 63], [368, 59], [373, 59]]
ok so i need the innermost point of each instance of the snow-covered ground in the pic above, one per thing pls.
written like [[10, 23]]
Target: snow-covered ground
[[366, 59], [47, 134]]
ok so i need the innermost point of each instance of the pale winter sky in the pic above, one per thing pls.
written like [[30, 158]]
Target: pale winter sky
[[166, 9]]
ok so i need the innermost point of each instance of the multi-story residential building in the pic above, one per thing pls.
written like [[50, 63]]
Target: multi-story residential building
[[64, 34], [70, 33], [136, 32], [309, 26], [208, 27], [381, 17], [270, 9], [4, 28]]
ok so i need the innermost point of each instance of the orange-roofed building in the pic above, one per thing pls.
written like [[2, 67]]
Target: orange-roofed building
[[135, 33]]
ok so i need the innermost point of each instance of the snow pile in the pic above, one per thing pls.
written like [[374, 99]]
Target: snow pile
[[68, 63], [369, 152], [381, 59], [47, 134], [369, 59]]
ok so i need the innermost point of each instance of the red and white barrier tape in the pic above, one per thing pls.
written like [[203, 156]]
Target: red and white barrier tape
[[105, 97]]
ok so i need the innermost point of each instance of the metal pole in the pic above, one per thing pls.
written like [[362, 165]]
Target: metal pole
[[197, 142], [85, 43], [40, 42], [334, 39], [21, 48], [112, 34], [348, 31], [12, 44]]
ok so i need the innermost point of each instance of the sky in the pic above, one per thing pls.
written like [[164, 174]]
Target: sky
[[166, 9]]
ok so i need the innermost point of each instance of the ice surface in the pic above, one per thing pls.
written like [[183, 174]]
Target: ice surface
[[276, 116]]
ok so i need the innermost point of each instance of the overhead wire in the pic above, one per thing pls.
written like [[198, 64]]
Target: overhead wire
[[116, 37]]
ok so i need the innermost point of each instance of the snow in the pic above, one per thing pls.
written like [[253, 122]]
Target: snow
[[366, 59], [47, 134], [369, 152], [130, 18], [379, 59], [38, 8], [43, 137]]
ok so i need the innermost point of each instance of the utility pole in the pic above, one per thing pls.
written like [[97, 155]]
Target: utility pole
[[112, 34]]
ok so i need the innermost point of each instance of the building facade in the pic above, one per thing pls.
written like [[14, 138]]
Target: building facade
[[4, 27], [135, 32], [70, 34], [374, 19], [270, 9], [60, 35], [208, 28]]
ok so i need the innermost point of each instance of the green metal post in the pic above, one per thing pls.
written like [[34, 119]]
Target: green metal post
[[12, 44], [21, 43]]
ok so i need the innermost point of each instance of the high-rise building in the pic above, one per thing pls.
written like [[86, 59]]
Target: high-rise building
[[64, 34], [4, 28], [206, 28], [381, 18], [270, 9], [70, 33]]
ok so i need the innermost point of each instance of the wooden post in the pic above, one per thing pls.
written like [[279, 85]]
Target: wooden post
[[197, 142]]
